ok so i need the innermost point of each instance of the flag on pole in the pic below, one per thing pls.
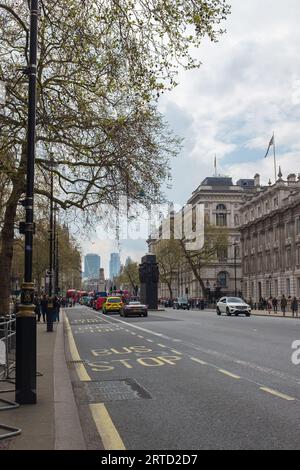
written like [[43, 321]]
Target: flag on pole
[[270, 145]]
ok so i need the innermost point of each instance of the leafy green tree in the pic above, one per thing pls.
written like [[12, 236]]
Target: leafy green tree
[[101, 66], [169, 256], [215, 239], [129, 276]]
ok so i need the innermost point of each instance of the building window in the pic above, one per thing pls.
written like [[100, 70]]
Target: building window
[[276, 260], [253, 264], [222, 253], [259, 211], [288, 287], [289, 229], [268, 261], [236, 220], [298, 287], [275, 202], [298, 255], [221, 220], [267, 206], [289, 258], [222, 279], [270, 236], [276, 287], [298, 226], [221, 207]]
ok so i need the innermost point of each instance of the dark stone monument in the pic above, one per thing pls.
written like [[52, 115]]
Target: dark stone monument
[[149, 277]]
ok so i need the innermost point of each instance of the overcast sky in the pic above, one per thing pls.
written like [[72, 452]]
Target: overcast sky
[[247, 87]]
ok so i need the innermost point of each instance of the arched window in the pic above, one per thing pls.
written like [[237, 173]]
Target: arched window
[[221, 207], [222, 279]]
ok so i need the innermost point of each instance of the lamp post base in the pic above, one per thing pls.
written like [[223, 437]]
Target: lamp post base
[[26, 348]]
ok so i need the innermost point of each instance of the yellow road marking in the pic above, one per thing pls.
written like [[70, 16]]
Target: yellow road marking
[[277, 394], [80, 369], [106, 428], [233, 376], [199, 361]]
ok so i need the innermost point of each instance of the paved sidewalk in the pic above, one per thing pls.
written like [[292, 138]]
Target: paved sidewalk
[[52, 423], [265, 313]]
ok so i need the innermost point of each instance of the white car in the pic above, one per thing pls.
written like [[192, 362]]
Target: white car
[[233, 306]]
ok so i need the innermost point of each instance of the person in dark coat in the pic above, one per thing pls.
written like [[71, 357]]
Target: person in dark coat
[[275, 304], [283, 304], [294, 307], [44, 307], [37, 308], [56, 307]]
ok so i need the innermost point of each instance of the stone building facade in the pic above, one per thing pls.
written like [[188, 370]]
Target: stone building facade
[[222, 200], [270, 241]]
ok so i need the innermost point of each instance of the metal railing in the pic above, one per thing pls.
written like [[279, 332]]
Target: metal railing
[[7, 346], [7, 366]]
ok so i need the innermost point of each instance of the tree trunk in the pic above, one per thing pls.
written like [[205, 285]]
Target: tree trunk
[[196, 271], [170, 290], [7, 245]]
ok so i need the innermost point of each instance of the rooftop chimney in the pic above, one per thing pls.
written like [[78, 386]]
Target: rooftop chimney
[[257, 180], [291, 179]]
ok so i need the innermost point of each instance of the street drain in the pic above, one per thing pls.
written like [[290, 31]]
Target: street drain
[[114, 390]]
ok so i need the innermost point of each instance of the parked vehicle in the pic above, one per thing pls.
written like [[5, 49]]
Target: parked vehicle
[[181, 303], [134, 308], [233, 306]]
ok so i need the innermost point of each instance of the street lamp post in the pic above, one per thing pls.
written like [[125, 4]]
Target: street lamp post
[[235, 280], [26, 322]]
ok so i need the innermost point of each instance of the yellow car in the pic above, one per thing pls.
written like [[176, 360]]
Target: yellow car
[[112, 304]]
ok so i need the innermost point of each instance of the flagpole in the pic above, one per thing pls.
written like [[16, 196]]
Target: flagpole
[[274, 150]]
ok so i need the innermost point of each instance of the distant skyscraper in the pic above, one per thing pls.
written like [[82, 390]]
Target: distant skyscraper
[[114, 265], [92, 263], [128, 261]]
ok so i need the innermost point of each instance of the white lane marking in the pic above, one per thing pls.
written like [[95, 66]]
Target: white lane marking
[[199, 361], [225, 372], [277, 394], [150, 340], [222, 356], [162, 345], [176, 352], [160, 335]]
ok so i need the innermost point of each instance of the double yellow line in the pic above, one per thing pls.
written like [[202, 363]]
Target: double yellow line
[[104, 424]]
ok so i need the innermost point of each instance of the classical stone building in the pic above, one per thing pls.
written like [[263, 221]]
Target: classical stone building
[[222, 200], [270, 236]]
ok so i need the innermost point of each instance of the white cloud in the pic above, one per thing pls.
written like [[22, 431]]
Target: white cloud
[[247, 87]]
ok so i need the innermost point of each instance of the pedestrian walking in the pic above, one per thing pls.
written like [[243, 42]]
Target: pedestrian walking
[[294, 307], [56, 308], [283, 304], [275, 305], [270, 305], [44, 307], [37, 308]]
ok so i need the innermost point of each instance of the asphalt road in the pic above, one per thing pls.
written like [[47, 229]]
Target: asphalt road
[[189, 380]]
